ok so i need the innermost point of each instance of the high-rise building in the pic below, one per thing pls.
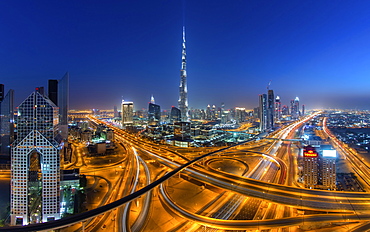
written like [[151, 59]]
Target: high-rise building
[[328, 167], [35, 163], [154, 113], [40, 90], [183, 100], [223, 114], [310, 167], [240, 114], [182, 134], [175, 115], [277, 108], [208, 112], [284, 110], [127, 113], [58, 93], [270, 109], [292, 110], [1, 92], [263, 112], [115, 112], [6, 123], [294, 106], [53, 91], [63, 104]]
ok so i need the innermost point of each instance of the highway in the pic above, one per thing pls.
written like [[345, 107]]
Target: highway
[[269, 186], [261, 224], [358, 164]]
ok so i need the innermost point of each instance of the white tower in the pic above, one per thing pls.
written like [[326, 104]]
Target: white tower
[[35, 163]]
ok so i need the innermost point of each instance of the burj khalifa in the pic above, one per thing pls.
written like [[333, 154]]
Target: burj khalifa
[[183, 100]]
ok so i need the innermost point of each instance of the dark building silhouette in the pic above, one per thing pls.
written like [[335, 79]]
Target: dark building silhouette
[[154, 113], [175, 115], [40, 90], [262, 111], [270, 109], [58, 93], [1, 92], [53, 91], [6, 122]]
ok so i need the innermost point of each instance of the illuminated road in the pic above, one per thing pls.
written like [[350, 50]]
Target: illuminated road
[[351, 206], [358, 163], [262, 224]]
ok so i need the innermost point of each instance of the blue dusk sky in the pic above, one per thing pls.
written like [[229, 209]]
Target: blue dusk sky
[[316, 50]]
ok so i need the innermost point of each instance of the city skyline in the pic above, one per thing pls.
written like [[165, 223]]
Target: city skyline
[[311, 50]]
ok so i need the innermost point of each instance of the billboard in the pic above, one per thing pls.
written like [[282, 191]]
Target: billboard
[[329, 153]]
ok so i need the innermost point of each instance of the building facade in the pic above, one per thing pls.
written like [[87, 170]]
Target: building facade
[[270, 109], [182, 134], [262, 112], [175, 115], [35, 163], [127, 113], [328, 169], [310, 167], [277, 108], [154, 113]]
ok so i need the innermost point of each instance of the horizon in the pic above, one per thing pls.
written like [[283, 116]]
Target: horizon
[[311, 50]]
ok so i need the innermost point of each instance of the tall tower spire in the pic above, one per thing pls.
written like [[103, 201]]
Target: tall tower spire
[[183, 100]]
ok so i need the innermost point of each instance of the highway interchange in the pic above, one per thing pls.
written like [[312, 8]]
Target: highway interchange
[[249, 186]]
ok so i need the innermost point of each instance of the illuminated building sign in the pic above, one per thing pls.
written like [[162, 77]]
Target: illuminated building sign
[[309, 153]]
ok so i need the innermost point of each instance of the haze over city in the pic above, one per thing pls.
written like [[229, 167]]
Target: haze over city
[[316, 50]]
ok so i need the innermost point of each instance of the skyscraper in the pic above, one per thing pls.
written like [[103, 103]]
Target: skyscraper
[[183, 100], [292, 108], [154, 113], [58, 93], [175, 115], [53, 91], [263, 112], [35, 163], [63, 104], [328, 167], [270, 109], [208, 113], [115, 112], [294, 105], [1, 92], [310, 167], [182, 134], [127, 113], [6, 123], [277, 108]]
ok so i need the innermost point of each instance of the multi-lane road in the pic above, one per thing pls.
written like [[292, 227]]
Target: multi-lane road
[[256, 188]]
